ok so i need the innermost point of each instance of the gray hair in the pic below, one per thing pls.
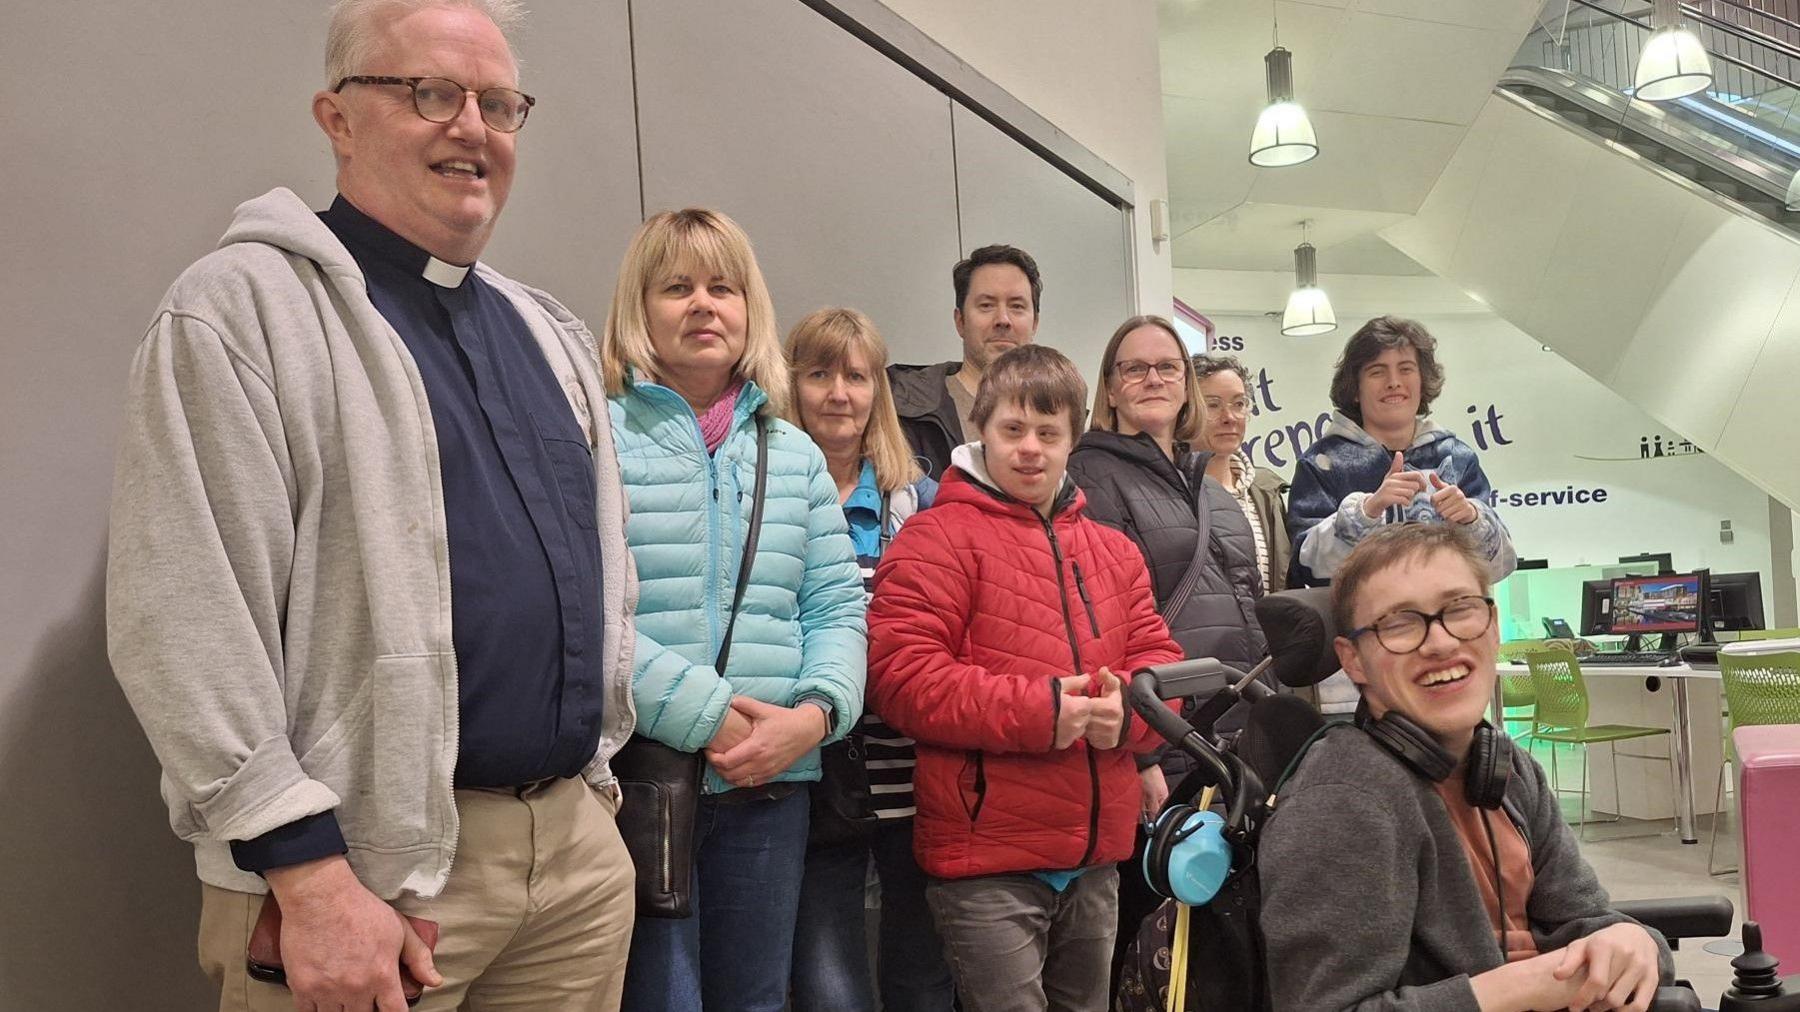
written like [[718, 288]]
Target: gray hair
[[353, 30]]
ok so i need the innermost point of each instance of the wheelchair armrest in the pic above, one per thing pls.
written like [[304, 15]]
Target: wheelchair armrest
[[1685, 917], [1675, 999]]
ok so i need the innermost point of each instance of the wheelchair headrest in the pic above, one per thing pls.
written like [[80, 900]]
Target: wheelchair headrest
[[1297, 624]]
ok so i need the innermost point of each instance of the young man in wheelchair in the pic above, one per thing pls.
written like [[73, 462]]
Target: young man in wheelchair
[[1417, 861]]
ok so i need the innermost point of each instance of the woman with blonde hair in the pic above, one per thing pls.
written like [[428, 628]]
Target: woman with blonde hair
[[1142, 476], [842, 399], [697, 383]]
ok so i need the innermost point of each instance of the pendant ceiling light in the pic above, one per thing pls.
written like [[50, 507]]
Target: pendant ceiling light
[[1283, 134], [1673, 63], [1308, 310]]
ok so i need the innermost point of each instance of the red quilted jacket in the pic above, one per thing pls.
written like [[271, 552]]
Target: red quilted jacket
[[979, 606]]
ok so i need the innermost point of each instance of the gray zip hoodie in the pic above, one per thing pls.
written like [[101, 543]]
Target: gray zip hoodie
[[278, 578]]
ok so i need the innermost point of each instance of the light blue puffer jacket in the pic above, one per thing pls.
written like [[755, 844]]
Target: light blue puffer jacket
[[801, 631]]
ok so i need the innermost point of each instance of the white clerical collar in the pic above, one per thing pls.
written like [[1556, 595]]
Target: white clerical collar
[[442, 274]]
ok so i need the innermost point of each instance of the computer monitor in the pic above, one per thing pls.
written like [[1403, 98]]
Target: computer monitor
[[1596, 607], [1658, 604], [1665, 563], [1734, 601]]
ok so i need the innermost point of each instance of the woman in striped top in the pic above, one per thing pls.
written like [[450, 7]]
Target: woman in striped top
[[842, 399], [1225, 389]]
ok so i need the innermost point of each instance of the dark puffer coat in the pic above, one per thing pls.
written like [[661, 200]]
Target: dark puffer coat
[[1132, 487]]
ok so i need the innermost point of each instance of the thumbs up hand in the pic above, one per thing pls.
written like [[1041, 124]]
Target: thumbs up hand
[[1397, 489], [1106, 710], [1450, 502]]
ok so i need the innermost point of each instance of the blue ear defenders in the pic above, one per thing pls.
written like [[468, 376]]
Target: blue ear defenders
[[1187, 858], [1191, 852]]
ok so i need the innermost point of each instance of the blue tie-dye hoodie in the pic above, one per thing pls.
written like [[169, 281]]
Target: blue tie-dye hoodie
[[1346, 465]]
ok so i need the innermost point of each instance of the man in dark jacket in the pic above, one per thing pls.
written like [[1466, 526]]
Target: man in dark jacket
[[997, 294], [1466, 890]]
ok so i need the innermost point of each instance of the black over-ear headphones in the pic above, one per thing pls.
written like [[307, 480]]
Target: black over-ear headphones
[[1490, 754]]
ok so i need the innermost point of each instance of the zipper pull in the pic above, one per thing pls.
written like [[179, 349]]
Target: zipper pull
[[1088, 602]]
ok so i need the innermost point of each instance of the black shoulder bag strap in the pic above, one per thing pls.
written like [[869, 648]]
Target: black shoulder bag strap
[[1191, 578], [661, 785], [750, 537]]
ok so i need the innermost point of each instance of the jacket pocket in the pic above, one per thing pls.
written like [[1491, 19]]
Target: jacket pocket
[[978, 786], [573, 465], [396, 790]]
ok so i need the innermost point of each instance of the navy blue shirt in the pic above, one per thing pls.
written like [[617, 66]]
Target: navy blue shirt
[[518, 480]]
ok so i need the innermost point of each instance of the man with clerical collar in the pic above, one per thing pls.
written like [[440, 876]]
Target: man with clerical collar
[[1416, 860], [367, 584]]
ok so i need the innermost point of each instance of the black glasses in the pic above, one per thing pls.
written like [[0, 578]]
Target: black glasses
[[1404, 631], [1133, 371], [440, 100]]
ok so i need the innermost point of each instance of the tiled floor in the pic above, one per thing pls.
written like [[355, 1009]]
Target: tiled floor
[[1647, 860], [1633, 866]]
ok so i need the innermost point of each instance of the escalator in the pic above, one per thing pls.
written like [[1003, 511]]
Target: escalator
[[1654, 246]]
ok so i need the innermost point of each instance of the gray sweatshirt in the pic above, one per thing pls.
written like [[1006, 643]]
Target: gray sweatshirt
[[1368, 899], [278, 578]]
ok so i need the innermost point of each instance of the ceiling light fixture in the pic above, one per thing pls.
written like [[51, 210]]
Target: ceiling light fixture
[[1308, 310], [1673, 63], [1283, 134]]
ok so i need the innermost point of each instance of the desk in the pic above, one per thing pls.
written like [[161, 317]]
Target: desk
[[1682, 728]]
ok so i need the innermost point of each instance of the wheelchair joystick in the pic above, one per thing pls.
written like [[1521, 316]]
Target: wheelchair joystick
[[1755, 983]]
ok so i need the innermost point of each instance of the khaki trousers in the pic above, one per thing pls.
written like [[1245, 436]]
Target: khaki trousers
[[537, 913]]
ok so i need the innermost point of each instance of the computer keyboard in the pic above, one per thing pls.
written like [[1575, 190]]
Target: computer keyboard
[[1635, 658]]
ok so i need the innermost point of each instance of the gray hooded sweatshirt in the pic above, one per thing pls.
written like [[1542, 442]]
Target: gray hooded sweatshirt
[[278, 578]]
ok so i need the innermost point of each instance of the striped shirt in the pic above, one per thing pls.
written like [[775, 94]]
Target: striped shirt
[[888, 754], [1243, 474]]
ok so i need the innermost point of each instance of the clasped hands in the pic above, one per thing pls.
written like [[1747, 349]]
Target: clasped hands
[[1400, 486], [1613, 969], [1092, 708], [758, 741]]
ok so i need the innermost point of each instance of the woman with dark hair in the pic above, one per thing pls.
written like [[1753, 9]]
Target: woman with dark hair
[[1225, 391], [1382, 460]]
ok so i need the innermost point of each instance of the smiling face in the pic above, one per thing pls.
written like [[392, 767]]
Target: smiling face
[[1445, 685], [997, 316], [835, 401], [1388, 390], [1151, 404], [440, 186], [1227, 410], [1027, 452], [698, 326]]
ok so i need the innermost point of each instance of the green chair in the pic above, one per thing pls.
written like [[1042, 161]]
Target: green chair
[[1759, 689], [1561, 716], [1514, 652], [1517, 693]]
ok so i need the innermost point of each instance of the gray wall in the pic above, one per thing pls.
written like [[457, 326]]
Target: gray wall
[[133, 132]]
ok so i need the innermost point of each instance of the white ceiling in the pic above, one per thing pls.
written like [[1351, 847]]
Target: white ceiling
[[1391, 86]]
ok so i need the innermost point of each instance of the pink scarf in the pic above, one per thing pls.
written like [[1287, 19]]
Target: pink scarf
[[715, 422]]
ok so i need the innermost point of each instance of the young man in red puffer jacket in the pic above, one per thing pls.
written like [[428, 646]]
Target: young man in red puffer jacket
[[1003, 628]]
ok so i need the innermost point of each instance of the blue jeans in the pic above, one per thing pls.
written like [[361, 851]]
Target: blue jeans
[[913, 974], [735, 952], [831, 940]]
